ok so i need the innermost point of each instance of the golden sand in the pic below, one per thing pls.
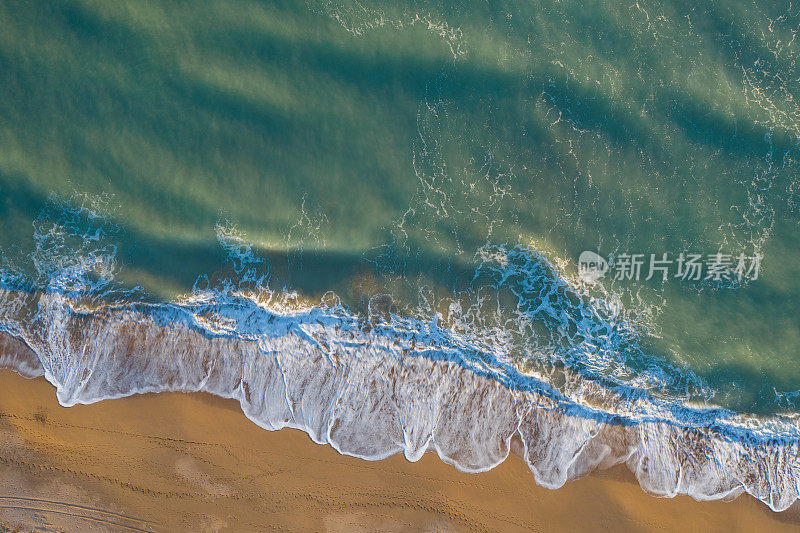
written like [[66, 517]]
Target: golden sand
[[193, 462]]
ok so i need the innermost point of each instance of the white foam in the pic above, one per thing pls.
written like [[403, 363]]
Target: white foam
[[373, 390], [389, 384]]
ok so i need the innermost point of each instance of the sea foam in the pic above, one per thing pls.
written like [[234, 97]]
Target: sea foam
[[396, 382], [373, 388]]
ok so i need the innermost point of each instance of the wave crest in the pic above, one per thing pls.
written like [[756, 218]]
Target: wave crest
[[371, 390]]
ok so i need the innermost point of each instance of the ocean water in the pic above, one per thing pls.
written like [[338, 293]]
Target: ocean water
[[364, 220]]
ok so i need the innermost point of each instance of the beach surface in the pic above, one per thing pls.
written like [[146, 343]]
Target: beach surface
[[174, 461]]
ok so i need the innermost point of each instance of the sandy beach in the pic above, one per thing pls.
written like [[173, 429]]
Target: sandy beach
[[193, 462]]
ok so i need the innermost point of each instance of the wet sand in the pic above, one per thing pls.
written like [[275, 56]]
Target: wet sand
[[165, 462]]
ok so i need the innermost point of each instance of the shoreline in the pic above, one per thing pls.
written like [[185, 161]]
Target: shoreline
[[316, 370], [202, 465]]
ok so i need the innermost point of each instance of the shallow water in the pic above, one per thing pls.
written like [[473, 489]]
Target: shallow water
[[364, 220]]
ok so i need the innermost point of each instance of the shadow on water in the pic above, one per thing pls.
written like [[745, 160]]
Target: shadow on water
[[177, 148], [313, 272]]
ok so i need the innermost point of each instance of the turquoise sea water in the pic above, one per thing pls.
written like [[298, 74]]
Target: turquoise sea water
[[411, 184]]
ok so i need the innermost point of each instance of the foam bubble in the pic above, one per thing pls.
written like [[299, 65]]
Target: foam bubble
[[373, 390]]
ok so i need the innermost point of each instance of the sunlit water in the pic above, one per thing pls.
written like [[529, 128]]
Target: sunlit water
[[364, 220]]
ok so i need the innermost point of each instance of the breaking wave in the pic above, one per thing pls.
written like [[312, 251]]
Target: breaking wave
[[560, 375]]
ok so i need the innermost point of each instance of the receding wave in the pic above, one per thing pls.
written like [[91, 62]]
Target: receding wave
[[373, 388], [524, 360]]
